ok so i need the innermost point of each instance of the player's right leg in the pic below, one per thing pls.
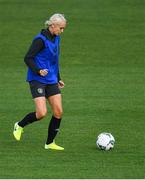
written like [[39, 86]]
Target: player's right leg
[[17, 132], [38, 93], [41, 110]]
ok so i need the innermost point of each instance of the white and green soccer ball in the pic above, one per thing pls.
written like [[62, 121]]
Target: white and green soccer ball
[[105, 141]]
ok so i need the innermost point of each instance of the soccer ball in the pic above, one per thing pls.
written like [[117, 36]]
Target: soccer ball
[[105, 141]]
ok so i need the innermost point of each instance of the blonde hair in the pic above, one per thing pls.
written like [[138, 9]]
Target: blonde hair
[[55, 19]]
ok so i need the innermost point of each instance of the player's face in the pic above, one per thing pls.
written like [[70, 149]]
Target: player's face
[[58, 28]]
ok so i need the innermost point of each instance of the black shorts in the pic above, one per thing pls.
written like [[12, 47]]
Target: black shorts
[[39, 89]]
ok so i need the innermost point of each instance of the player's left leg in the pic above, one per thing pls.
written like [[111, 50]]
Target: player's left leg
[[55, 102]]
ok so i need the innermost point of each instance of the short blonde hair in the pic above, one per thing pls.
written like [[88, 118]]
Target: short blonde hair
[[55, 19]]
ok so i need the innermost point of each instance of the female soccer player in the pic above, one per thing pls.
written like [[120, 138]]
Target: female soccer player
[[43, 76]]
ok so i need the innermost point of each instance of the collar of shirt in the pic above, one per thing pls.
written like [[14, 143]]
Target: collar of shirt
[[48, 35]]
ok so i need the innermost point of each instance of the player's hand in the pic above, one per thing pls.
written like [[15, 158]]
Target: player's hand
[[43, 72], [61, 84]]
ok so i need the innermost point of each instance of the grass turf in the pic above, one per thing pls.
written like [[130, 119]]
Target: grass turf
[[102, 64]]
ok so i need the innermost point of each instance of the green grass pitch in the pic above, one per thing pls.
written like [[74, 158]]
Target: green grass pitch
[[102, 63]]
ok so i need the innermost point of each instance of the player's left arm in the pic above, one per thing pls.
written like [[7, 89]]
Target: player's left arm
[[61, 84]]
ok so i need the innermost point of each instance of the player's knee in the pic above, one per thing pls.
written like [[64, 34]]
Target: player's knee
[[41, 114], [58, 114]]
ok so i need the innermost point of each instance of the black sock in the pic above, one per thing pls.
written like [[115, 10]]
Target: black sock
[[28, 119], [53, 128]]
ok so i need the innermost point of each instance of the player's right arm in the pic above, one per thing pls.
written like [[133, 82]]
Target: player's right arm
[[36, 46]]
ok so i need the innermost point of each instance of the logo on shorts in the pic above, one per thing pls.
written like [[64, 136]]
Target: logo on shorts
[[40, 90]]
